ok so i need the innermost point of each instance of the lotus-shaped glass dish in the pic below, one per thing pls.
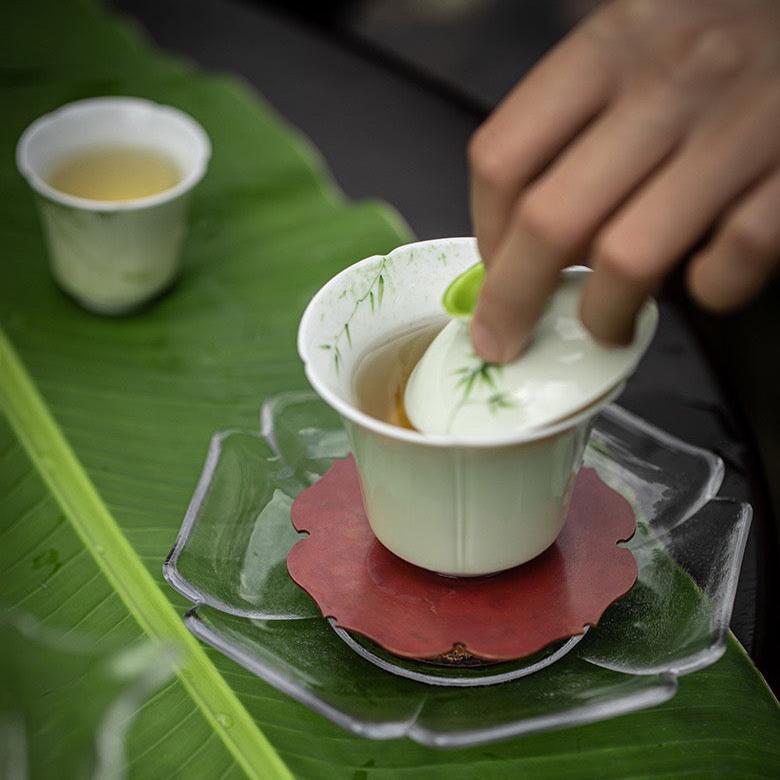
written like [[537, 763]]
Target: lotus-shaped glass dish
[[230, 556]]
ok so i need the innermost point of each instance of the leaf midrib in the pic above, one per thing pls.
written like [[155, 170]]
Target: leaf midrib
[[89, 516]]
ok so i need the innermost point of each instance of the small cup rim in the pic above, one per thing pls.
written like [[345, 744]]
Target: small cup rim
[[43, 188], [353, 414]]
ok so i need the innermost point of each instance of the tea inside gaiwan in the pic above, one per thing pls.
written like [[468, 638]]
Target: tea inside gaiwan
[[564, 369]]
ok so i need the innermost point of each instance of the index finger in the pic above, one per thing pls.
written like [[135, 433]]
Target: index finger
[[565, 90], [525, 272]]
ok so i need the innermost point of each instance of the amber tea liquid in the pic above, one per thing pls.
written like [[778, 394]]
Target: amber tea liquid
[[381, 376]]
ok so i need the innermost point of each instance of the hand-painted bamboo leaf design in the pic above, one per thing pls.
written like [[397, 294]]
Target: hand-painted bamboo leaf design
[[374, 294], [499, 401], [481, 373]]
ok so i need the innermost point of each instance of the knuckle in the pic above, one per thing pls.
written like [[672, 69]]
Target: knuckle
[[545, 223], [718, 50], [619, 17], [486, 160], [710, 53], [636, 12], [752, 237], [656, 102], [622, 258]]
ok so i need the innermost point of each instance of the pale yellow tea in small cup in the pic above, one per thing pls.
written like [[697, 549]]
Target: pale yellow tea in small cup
[[115, 173]]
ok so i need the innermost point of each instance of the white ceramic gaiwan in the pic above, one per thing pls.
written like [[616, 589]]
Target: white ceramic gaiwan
[[564, 369], [453, 504]]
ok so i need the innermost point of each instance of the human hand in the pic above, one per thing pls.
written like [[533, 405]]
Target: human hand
[[653, 123]]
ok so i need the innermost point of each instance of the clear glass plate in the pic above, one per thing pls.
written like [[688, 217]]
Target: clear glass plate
[[230, 556]]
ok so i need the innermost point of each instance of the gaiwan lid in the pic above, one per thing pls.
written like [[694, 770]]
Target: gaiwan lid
[[453, 392]]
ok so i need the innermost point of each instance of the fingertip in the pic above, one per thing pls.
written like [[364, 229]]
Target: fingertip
[[486, 343], [713, 288], [610, 330], [523, 274], [608, 310], [496, 345]]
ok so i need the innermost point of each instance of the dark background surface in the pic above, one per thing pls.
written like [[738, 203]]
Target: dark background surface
[[390, 92]]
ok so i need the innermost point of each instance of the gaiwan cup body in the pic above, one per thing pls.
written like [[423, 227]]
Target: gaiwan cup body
[[461, 507], [113, 256]]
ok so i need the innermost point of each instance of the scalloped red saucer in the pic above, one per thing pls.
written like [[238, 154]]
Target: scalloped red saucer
[[416, 613]]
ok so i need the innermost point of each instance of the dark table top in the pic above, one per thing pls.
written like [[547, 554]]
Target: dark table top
[[387, 133]]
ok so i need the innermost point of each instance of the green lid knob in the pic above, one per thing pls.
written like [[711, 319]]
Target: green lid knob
[[460, 297]]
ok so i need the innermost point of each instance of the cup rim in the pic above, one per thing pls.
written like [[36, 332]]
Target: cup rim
[[353, 414], [39, 185]]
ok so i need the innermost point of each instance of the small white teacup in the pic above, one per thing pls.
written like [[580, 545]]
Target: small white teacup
[[113, 255], [457, 506]]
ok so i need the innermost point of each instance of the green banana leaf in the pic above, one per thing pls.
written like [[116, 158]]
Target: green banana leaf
[[90, 729], [105, 427]]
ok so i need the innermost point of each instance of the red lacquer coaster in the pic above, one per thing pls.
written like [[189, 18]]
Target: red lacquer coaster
[[419, 614]]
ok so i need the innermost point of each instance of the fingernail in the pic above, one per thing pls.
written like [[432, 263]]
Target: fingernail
[[486, 343]]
